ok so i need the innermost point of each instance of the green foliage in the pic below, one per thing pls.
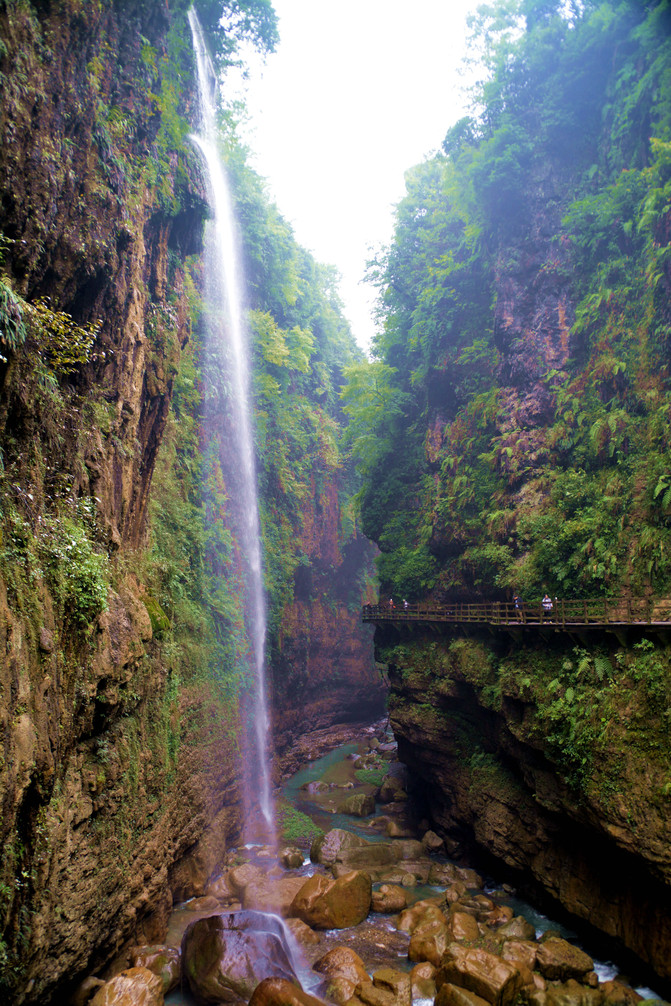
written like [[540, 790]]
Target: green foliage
[[486, 468], [76, 572], [370, 776], [295, 827]]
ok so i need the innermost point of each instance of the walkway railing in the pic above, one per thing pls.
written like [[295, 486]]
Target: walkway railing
[[602, 611]]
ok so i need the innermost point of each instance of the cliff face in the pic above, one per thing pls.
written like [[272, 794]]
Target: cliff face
[[323, 670], [111, 771], [551, 759], [118, 723]]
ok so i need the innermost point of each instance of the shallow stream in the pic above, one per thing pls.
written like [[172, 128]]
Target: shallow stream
[[376, 940]]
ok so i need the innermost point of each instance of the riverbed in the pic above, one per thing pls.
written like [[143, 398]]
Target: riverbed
[[315, 795]]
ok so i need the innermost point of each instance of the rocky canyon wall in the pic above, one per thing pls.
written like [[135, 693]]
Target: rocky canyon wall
[[119, 761], [548, 757], [112, 768]]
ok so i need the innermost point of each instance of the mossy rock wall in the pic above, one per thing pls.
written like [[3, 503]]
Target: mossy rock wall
[[553, 757]]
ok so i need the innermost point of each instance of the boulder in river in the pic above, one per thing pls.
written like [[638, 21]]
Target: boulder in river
[[559, 960], [342, 962], [272, 894], [432, 842], [420, 914], [429, 942], [291, 858], [517, 929], [463, 926], [326, 903], [133, 987], [161, 961], [453, 995], [240, 876], [328, 847], [302, 933], [224, 957], [389, 898], [281, 992], [358, 805], [487, 975]]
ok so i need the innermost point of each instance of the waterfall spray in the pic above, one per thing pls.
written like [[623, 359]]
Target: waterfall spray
[[227, 336]]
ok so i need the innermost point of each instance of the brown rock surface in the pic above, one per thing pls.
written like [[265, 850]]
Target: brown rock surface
[[224, 957], [487, 975], [272, 894], [559, 960], [389, 898], [342, 962], [134, 987], [161, 961], [333, 904], [281, 992]]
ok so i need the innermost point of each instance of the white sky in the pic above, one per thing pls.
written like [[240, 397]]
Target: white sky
[[357, 92]]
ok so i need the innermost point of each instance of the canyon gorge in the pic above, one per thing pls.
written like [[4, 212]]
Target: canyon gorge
[[509, 435]]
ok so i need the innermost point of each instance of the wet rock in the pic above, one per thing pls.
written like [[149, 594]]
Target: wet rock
[[396, 982], [281, 992], [408, 880], [422, 981], [453, 995], [411, 849], [339, 990], [370, 995], [419, 914], [470, 878], [391, 790], [499, 915], [85, 991], [559, 960], [517, 929], [617, 994], [272, 894], [454, 892], [134, 987], [334, 904], [206, 903], [371, 854], [462, 926], [358, 805], [291, 858], [161, 961], [333, 844], [224, 957], [571, 993], [444, 874], [429, 942], [432, 842], [389, 898], [520, 952], [487, 975], [240, 876], [398, 829], [220, 888], [316, 786], [342, 962], [302, 933]]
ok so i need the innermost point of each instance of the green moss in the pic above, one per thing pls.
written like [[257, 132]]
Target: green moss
[[295, 827], [370, 776]]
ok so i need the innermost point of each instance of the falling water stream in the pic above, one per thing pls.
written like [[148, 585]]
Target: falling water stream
[[227, 337]]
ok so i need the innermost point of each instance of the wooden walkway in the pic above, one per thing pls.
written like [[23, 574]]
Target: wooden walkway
[[599, 612]]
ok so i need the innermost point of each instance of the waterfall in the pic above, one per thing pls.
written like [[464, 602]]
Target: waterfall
[[228, 347]]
